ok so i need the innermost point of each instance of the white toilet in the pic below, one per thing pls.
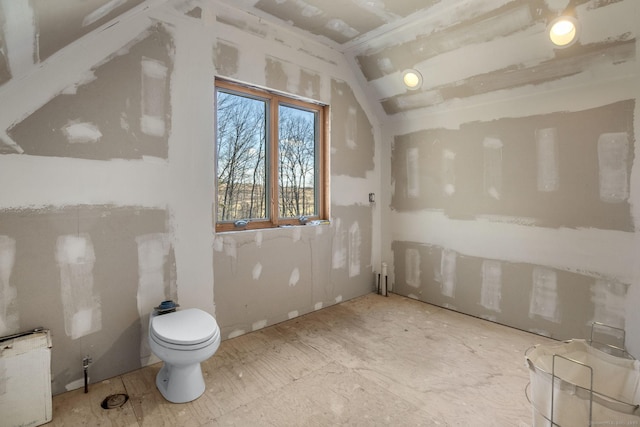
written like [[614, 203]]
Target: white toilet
[[182, 339]]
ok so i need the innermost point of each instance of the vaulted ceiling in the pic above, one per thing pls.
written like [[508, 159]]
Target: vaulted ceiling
[[462, 48]]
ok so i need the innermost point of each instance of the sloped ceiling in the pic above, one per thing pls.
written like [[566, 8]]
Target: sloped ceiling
[[448, 42], [462, 48]]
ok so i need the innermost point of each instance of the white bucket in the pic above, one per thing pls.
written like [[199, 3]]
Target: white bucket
[[591, 387]]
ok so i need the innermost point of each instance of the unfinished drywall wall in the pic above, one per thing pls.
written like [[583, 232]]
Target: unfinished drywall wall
[[264, 277], [76, 270], [120, 109], [109, 148], [523, 168], [63, 22], [536, 298], [513, 171]]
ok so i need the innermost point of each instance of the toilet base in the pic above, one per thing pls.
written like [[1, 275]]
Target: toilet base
[[180, 384]]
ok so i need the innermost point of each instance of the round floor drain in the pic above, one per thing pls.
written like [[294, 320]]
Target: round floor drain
[[114, 401]]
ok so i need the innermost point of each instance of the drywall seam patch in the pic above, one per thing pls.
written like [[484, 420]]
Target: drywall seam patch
[[259, 325], [296, 234], [493, 167], [413, 173], [448, 172], [608, 298], [153, 251], [102, 11], [491, 293], [257, 271], [81, 132], [294, 277], [8, 316], [412, 266], [82, 308], [154, 78], [544, 297], [351, 131], [547, 156], [613, 153], [355, 242], [339, 248], [448, 273], [19, 36]]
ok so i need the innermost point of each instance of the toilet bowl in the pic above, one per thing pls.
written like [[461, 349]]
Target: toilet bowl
[[182, 340]]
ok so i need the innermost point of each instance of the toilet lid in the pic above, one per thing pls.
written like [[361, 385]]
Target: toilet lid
[[190, 326]]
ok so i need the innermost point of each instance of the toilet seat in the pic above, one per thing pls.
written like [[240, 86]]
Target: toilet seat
[[189, 329]]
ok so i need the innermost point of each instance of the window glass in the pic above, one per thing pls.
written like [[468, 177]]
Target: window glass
[[270, 159]]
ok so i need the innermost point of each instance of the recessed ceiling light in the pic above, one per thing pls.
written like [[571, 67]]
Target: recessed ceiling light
[[563, 31], [412, 79]]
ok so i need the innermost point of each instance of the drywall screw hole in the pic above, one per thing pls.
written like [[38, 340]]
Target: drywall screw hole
[[114, 401]]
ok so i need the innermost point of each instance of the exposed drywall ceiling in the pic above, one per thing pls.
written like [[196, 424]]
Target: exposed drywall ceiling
[[384, 38]]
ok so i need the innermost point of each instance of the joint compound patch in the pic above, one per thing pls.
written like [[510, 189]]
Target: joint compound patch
[[413, 173], [8, 305], [102, 11], [493, 167], [544, 297], [412, 267], [154, 77], [257, 271], [448, 273], [548, 159], [339, 249], [448, 172], [153, 252], [352, 128], [81, 133], [218, 244], [294, 277], [613, 153], [609, 298], [355, 242], [259, 325], [491, 293], [82, 308], [296, 234]]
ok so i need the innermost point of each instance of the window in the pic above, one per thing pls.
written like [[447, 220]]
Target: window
[[270, 159]]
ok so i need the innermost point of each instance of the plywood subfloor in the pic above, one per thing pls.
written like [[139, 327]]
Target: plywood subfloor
[[366, 362]]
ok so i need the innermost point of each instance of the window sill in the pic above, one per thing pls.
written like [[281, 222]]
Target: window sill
[[314, 223]]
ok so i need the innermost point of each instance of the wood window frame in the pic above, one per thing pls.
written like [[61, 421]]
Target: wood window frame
[[273, 100]]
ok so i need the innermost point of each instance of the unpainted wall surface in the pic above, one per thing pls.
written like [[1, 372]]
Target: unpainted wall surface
[[352, 150], [64, 21], [121, 110], [80, 271], [523, 168], [539, 299], [513, 172], [109, 148], [258, 273], [264, 277]]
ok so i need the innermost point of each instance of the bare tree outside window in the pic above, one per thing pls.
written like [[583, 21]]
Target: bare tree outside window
[[297, 162], [270, 155], [241, 157]]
